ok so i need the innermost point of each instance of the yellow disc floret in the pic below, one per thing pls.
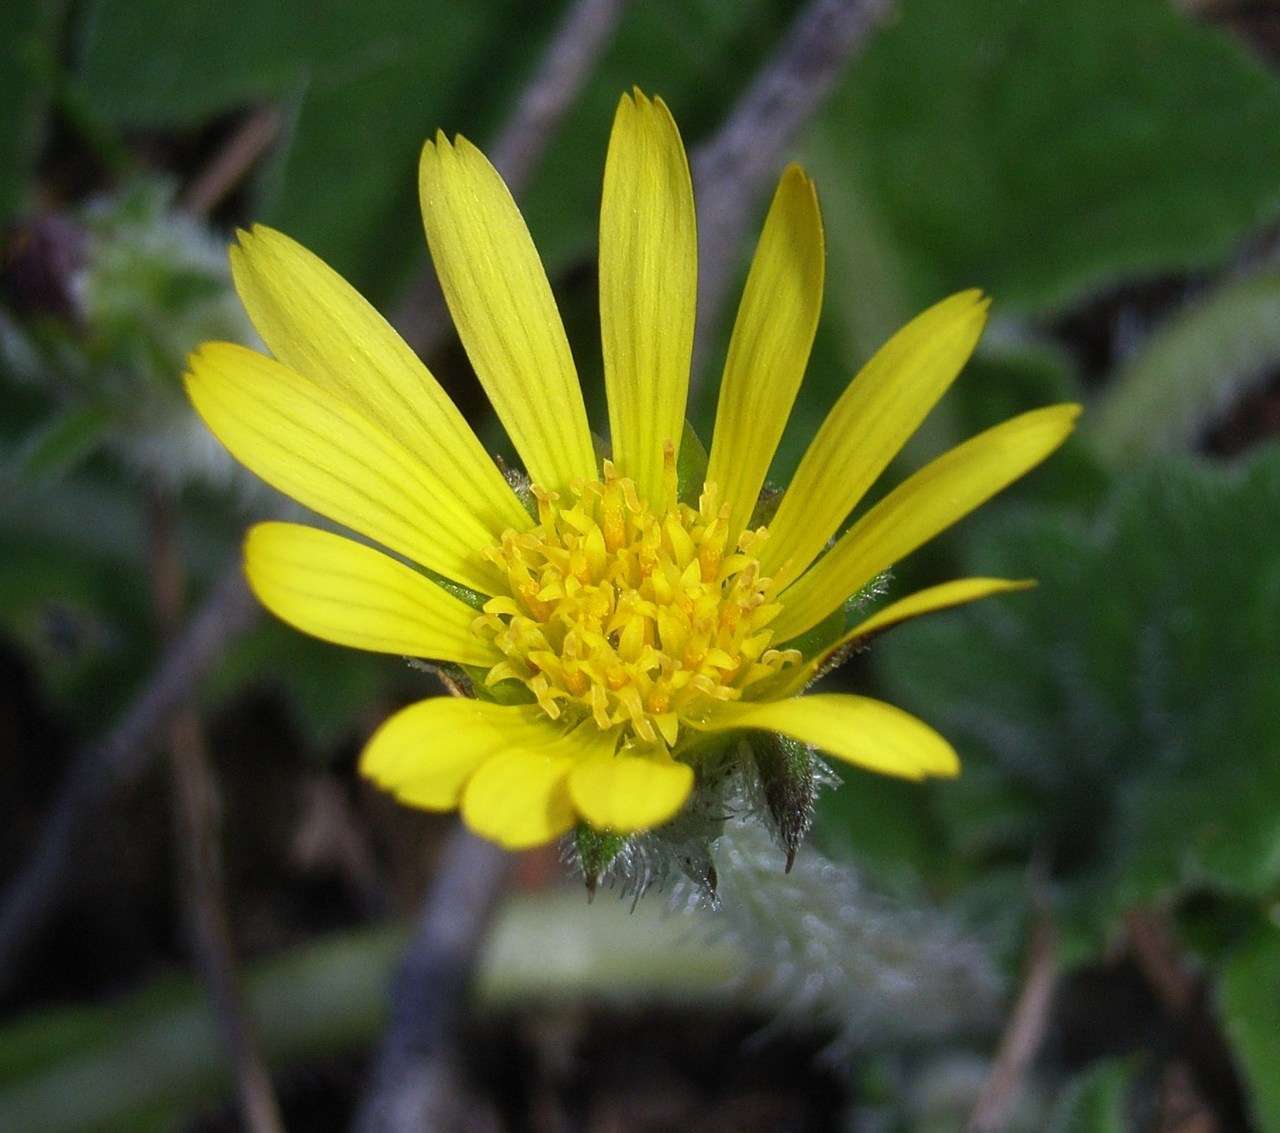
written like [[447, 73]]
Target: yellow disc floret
[[631, 615]]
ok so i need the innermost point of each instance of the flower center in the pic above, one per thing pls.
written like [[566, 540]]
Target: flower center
[[630, 615]]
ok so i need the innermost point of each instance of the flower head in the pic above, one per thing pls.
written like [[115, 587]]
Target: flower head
[[617, 622]]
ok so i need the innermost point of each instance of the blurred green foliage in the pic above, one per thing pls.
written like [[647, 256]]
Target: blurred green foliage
[[1101, 714], [367, 83], [28, 32], [1118, 724], [1251, 1000], [1190, 367], [363, 83], [1041, 153], [1095, 1101]]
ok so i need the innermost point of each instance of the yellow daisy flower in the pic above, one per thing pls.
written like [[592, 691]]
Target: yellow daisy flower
[[616, 626]]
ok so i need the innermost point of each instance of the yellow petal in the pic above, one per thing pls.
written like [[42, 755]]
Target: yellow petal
[[318, 325], [873, 419], [520, 798], [770, 346], [426, 753], [316, 448], [855, 729], [944, 596], [345, 592], [502, 306], [648, 287], [627, 793], [958, 592], [913, 513]]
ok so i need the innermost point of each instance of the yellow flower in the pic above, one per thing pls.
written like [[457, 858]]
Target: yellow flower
[[615, 629]]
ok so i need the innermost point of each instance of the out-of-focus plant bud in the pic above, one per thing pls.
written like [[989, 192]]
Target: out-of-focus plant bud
[[134, 286], [155, 284], [40, 260]]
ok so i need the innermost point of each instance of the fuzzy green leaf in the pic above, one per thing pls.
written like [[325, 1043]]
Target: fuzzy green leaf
[[1123, 719], [1043, 155]]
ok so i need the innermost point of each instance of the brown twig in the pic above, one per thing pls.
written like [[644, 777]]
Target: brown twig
[[413, 1080], [586, 30], [1025, 1030], [196, 834], [101, 767], [1184, 997], [241, 151], [732, 169]]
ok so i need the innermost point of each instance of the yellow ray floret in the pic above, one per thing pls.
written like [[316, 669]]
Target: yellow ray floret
[[630, 625], [328, 455], [872, 420], [319, 326], [855, 729], [648, 279], [348, 593], [502, 305], [772, 337], [922, 506]]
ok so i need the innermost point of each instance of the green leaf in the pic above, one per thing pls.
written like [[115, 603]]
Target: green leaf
[[1094, 1101], [366, 83], [1042, 157], [691, 466], [1188, 369], [58, 445], [886, 826], [28, 45], [1122, 716], [1251, 1005], [151, 64]]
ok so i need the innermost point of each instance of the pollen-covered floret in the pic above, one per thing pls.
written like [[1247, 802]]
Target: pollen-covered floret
[[636, 616]]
